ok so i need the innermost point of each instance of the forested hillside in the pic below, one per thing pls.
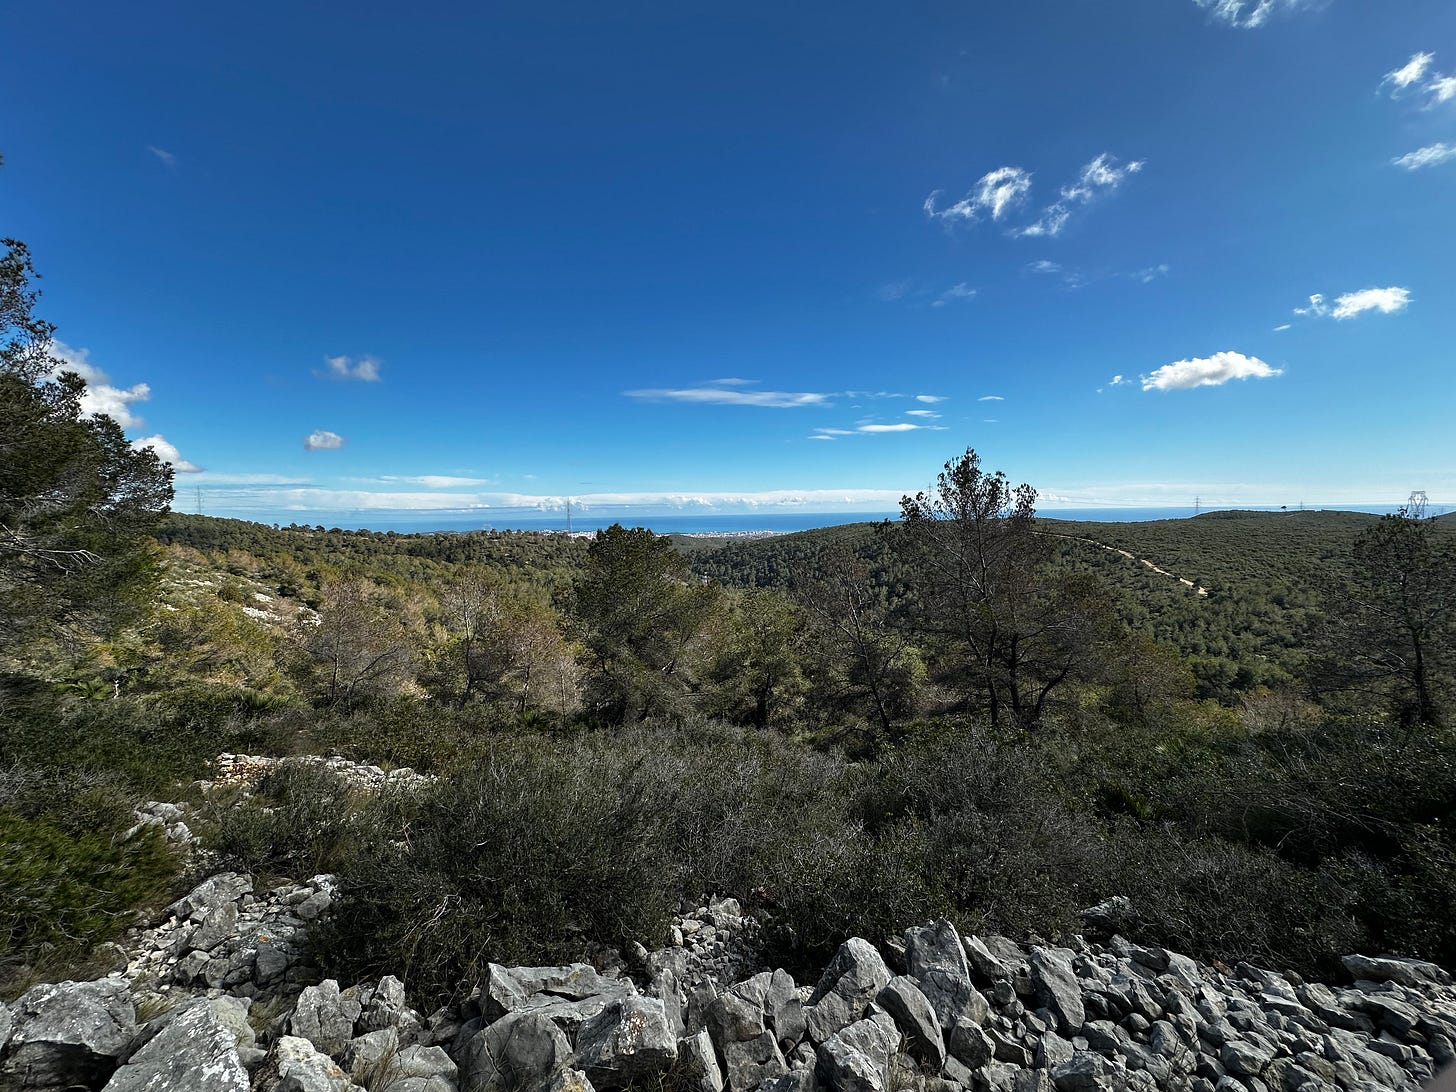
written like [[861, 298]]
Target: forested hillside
[[1239, 724], [1266, 578]]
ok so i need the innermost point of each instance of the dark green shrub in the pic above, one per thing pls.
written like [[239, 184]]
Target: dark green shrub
[[300, 820], [521, 858], [72, 872]]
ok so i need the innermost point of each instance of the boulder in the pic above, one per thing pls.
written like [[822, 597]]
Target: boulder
[[911, 1011], [1415, 973], [630, 1039], [508, 989], [211, 895], [852, 980], [196, 1051], [748, 1063], [936, 960], [296, 1065], [370, 1055], [218, 924], [969, 1044], [520, 1052], [984, 961], [1057, 989], [325, 1017], [701, 1072], [68, 1033], [857, 1057]]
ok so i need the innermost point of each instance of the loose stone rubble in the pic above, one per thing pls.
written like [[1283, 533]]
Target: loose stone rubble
[[929, 1011], [243, 771]]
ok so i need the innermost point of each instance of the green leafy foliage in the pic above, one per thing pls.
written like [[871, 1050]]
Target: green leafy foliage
[[71, 874], [76, 500]]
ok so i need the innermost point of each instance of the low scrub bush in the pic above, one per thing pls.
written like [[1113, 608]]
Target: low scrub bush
[[71, 874], [523, 857], [300, 820]]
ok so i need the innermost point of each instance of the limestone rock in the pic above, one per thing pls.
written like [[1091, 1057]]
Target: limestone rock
[[700, 1063], [296, 1065], [1414, 973], [748, 1063], [630, 1039], [936, 960], [1057, 988], [196, 1051], [857, 1058], [520, 1052], [852, 980], [911, 1011], [68, 1033], [324, 1017]]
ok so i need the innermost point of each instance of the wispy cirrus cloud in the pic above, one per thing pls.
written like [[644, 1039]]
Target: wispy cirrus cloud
[[365, 369], [955, 292], [883, 428], [434, 481], [1441, 89], [1418, 77], [323, 440], [1150, 274], [731, 392], [1102, 176], [930, 398], [990, 398], [995, 194], [1209, 371], [1002, 191], [1410, 74], [1432, 155], [1387, 301], [1250, 14], [167, 159]]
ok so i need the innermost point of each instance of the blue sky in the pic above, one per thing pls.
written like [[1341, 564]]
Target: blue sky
[[366, 259]]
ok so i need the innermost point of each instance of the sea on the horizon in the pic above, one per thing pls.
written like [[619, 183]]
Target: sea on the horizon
[[780, 523]]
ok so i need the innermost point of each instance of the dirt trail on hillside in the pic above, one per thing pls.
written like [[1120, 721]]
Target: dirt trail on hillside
[[1144, 562]]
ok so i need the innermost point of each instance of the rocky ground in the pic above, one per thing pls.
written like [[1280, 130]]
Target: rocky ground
[[221, 993]]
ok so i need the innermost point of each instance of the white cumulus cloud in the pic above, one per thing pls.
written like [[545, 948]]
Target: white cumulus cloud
[[1209, 371], [167, 452], [323, 440], [1432, 155], [100, 395], [365, 369], [1387, 301]]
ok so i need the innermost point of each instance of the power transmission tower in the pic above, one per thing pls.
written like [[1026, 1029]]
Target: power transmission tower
[[199, 500], [568, 515], [1416, 506], [1197, 505]]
